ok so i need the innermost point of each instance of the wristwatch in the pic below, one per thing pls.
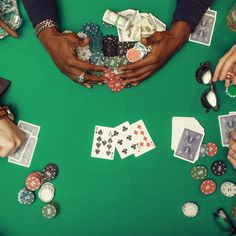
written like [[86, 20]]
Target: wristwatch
[[6, 113]]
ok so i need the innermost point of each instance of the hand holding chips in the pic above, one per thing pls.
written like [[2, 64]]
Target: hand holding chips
[[164, 45], [62, 48], [232, 150]]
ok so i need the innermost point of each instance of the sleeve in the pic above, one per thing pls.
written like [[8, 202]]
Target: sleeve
[[191, 11], [40, 10], [4, 84]]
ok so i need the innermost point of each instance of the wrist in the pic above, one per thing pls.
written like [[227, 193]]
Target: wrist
[[181, 30], [44, 25], [48, 32]]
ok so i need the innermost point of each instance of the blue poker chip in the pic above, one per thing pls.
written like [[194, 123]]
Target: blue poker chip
[[96, 42], [90, 29], [105, 24]]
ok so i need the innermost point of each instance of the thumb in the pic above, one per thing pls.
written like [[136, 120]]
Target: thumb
[[155, 38], [77, 41]]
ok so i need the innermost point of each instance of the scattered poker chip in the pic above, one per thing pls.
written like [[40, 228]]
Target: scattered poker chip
[[228, 189], [46, 192], [208, 186], [199, 172], [190, 209], [212, 149], [234, 211], [50, 171], [133, 55], [26, 197], [203, 150], [34, 180], [218, 168], [49, 211]]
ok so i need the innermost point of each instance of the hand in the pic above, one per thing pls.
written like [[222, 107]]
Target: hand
[[62, 47], [232, 150], [164, 45], [226, 64], [11, 137]]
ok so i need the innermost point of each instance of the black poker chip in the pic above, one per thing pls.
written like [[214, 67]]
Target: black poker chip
[[123, 47], [50, 172], [218, 168], [110, 46]]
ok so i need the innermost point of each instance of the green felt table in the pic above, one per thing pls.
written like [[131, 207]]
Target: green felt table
[[136, 196]]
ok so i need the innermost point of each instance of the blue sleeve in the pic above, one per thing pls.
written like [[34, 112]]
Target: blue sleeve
[[191, 11], [40, 10], [4, 84]]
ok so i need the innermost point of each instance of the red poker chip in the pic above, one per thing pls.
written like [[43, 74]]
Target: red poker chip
[[33, 183], [208, 187], [116, 85], [212, 149]]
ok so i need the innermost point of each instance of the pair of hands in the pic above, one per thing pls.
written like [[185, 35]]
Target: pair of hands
[[11, 137], [61, 48]]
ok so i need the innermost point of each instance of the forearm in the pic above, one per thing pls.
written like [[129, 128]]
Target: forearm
[[3, 85], [41, 10], [191, 11]]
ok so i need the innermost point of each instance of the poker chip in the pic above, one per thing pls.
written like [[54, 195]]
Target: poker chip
[[67, 32], [107, 25], [199, 172], [110, 45], [82, 35], [112, 62], [208, 187], [203, 150], [190, 209], [228, 189], [212, 149], [50, 172], [84, 53], [116, 84], [218, 168], [234, 211], [123, 47], [133, 55], [46, 192], [34, 180], [90, 29], [26, 197], [96, 42], [49, 211]]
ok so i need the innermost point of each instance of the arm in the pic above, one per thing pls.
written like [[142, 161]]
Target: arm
[[60, 46], [165, 44], [4, 84]]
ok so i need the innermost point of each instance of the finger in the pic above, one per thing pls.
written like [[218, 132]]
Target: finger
[[85, 66], [140, 78], [74, 79], [4, 152], [221, 64], [233, 135], [139, 64], [94, 79], [156, 37], [227, 67], [137, 73], [232, 146], [227, 83]]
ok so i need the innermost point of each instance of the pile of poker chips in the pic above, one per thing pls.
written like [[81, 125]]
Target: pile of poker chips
[[109, 52], [208, 186], [40, 181]]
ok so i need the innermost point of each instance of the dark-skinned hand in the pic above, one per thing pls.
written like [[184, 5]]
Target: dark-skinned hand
[[164, 45], [61, 48]]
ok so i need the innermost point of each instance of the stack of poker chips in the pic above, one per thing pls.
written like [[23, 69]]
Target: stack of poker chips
[[109, 52], [41, 181]]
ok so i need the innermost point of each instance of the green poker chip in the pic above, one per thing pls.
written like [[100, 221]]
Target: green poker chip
[[112, 62], [203, 151], [199, 172], [231, 91]]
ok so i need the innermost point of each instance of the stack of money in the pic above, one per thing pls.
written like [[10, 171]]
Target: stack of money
[[133, 25]]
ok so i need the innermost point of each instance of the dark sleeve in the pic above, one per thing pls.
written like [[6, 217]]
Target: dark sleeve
[[40, 10], [191, 11], [4, 84]]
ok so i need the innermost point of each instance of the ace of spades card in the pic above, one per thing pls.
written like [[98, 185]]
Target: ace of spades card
[[103, 144], [125, 141]]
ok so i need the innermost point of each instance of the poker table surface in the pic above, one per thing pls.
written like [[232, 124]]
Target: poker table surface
[[135, 196]]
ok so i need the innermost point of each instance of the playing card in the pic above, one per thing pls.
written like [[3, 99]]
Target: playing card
[[103, 145], [17, 155], [227, 124], [144, 139], [125, 140], [204, 31], [27, 154], [33, 129], [189, 145]]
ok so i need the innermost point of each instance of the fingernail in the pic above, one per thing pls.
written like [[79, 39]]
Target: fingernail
[[88, 86], [99, 84]]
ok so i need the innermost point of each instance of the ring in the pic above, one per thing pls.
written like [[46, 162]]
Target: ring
[[81, 78], [230, 76]]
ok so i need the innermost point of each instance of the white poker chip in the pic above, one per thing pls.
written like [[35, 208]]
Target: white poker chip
[[67, 31], [190, 209], [228, 189], [82, 35], [46, 192], [84, 53]]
